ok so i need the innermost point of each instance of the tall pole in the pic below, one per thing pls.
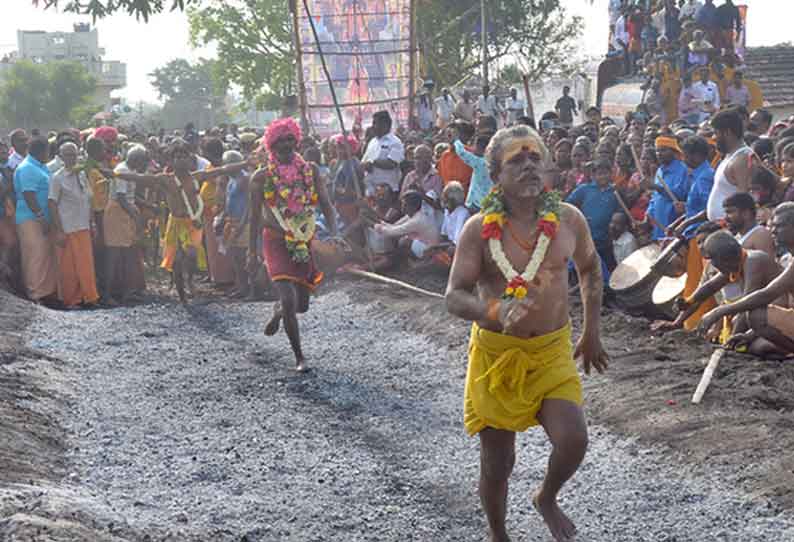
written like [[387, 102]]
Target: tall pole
[[325, 68], [299, 66], [411, 62], [484, 33]]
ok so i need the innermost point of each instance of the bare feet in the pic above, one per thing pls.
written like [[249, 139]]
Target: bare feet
[[300, 366], [561, 527], [273, 326]]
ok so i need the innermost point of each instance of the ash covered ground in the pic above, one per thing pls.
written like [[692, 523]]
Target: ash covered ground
[[164, 422]]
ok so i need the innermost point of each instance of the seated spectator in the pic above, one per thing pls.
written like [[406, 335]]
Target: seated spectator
[[787, 172], [623, 241], [689, 10], [455, 212], [707, 94], [417, 230], [451, 167], [741, 218], [455, 216], [598, 203], [687, 102], [767, 192], [736, 93], [424, 178], [771, 322], [699, 50]]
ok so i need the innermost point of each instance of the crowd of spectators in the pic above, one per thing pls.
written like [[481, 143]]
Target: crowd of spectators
[[74, 234]]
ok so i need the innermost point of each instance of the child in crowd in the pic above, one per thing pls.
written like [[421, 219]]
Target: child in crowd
[[598, 203], [623, 241]]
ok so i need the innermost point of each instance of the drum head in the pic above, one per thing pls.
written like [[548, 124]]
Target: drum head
[[667, 289], [634, 268]]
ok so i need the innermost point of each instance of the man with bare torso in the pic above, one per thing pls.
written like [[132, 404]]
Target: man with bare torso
[[770, 316], [521, 361], [285, 195], [183, 235], [740, 271]]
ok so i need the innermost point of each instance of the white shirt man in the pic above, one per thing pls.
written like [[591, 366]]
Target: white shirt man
[[621, 34], [453, 223], [689, 9], [487, 106], [614, 10], [515, 109], [445, 105], [705, 94], [388, 147], [421, 228]]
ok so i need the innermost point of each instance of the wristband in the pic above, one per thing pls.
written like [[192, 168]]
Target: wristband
[[493, 310]]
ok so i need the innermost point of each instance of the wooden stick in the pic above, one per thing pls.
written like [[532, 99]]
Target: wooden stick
[[666, 187], [708, 373], [392, 282], [639, 168], [625, 209]]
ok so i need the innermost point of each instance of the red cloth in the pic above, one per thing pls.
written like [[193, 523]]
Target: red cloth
[[280, 266]]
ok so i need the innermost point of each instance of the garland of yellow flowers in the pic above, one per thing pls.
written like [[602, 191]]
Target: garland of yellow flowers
[[292, 199], [494, 210]]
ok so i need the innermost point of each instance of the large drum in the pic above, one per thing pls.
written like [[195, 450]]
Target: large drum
[[666, 292], [634, 280]]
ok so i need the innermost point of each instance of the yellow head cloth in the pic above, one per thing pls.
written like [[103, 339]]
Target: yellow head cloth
[[668, 142]]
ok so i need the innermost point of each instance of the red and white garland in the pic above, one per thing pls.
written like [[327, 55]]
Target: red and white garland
[[518, 284]]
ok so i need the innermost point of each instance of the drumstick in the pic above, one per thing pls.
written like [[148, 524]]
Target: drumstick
[[625, 208], [642, 174], [667, 189]]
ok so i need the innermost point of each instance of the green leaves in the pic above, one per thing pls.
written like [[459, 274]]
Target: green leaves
[[254, 43], [141, 9], [180, 80], [45, 94], [536, 35]]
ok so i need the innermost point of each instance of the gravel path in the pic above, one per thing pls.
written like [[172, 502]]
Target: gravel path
[[188, 420]]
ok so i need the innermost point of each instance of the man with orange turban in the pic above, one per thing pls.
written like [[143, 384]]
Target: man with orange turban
[[671, 186]]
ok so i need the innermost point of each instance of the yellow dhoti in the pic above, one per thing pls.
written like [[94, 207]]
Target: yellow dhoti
[[509, 377], [182, 232]]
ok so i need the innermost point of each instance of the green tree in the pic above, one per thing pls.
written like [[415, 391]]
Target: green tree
[[71, 88], [253, 38], [181, 80], [537, 34], [192, 92], [44, 94]]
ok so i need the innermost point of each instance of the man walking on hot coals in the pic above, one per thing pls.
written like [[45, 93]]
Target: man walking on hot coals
[[510, 277], [288, 189]]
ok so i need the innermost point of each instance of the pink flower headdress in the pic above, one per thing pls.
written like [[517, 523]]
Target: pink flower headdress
[[281, 128], [350, 139]]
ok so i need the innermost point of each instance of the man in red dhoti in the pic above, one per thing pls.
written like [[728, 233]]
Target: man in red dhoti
[[285, 193]]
